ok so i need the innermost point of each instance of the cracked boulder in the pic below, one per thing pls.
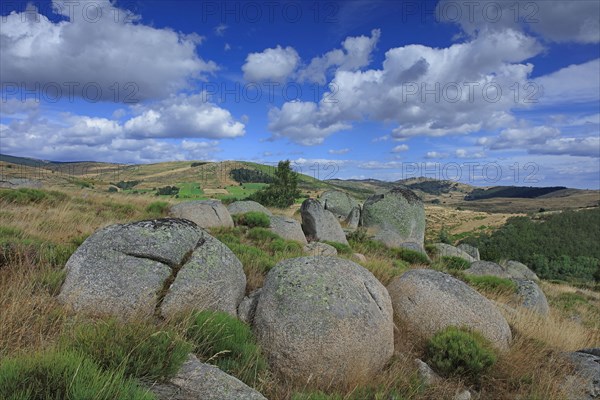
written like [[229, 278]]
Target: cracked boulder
[[324, 321], [427, 301], [133, 269], [205, 213]]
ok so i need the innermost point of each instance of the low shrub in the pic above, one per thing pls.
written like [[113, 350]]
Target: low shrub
[[139, 349], [252, 219], [229, 343], [157, 209], [64, 375], [460, 352]]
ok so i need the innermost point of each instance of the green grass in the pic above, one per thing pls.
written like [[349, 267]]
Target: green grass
[[25, 196], [454, 263], [15, 246], [157, 209], [140, 350], [237, 192], [261, 235], [568, 301], [340, 247], [491, 283], [410, 256], [228, 343], [59, 374], [252, 219], [190, 190], [257, 248]]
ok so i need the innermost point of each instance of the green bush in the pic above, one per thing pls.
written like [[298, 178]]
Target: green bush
[[283, 192], [410, 256], [157, 209], [340, 247], [460, 352], [228, 343], [63, 375], [455, 263], [252, 219], [358, 236], [491, 283], [139, 349]]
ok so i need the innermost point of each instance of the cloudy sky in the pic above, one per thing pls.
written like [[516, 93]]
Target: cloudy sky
[[487, 92]]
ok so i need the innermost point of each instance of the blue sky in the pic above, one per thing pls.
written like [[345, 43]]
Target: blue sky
[[498, 92]]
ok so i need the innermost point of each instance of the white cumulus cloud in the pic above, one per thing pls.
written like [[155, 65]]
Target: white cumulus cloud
[[274, 65], [110, 48]]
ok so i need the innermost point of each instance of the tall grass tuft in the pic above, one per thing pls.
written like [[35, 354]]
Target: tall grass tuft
[[228, 343], [140, 349], [64, 375]]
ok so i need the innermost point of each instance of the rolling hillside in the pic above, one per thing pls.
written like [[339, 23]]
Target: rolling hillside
[[199, 180]]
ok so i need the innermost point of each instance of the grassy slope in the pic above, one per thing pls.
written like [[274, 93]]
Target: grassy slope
[[32, 319]]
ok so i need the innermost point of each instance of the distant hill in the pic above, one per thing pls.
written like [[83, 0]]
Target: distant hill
[[511, 192], [205, 179]]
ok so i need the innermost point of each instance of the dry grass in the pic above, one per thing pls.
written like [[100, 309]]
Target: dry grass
[[31, 318]]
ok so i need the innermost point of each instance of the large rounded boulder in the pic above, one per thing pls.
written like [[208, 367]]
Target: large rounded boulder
[[156, 266], [427, 301], [205, 213], [320, 224], [397, 216], [339, 203], [324, 321]]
